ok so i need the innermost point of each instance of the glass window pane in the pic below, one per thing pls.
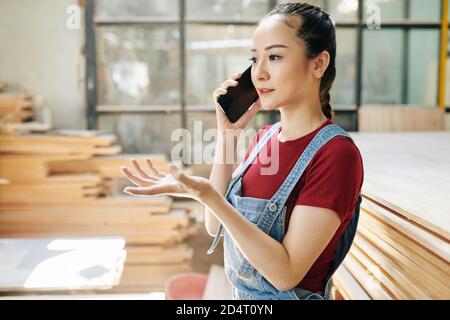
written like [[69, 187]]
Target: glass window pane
[[343, 90], [230, 9], [343, 9], [346, 120], [142, 133], [138, 65], [396, 9], [198, 124], [382, 66], [213, 54], [423, 67], [139, 8], [425, 10], [393, 9]]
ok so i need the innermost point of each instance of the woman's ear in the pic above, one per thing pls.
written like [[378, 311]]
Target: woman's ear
[[320, 64]]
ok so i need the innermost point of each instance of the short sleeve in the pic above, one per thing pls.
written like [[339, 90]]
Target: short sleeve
[[334, 178]]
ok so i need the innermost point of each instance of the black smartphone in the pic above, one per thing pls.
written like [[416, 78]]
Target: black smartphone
[[239, 98]]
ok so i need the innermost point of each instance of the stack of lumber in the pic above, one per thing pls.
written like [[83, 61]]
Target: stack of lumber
[[18, 113], [15, 107], [65, 184], [101, 144], [73, 263], [24, 162], [401, 250]]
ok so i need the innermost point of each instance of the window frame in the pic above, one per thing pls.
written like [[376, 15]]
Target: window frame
[[93, 109]]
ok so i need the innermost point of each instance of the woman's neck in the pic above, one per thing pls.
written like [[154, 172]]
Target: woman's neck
[[300, 120]]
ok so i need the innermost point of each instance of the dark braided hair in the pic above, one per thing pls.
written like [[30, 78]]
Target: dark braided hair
[[318, 32]]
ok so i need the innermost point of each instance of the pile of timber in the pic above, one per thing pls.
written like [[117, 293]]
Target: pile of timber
[[17, 113], [16, 107], [65, 184], [401, 250]]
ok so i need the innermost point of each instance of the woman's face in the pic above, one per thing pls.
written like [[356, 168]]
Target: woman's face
[[286, 70]]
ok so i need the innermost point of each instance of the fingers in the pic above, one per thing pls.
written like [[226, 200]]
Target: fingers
[[236, 75], [137, 167], [249, 114], [153, 170], [222, 89], [134, 178], [180, 175], [229, 83]]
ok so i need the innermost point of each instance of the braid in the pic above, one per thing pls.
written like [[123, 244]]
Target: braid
[[325, 87]]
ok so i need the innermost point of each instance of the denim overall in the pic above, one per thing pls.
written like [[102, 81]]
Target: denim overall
[[269, 216]]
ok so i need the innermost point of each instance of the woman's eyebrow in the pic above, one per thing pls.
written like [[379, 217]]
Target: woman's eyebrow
[[271, 47]]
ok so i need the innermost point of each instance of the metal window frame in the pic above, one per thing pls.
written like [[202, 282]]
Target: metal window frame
[[91, 82]]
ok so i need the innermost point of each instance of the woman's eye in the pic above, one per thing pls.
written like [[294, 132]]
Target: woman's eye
[[270, 58]]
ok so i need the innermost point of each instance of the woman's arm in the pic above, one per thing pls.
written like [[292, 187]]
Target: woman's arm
[[219, 178], [284, 264]]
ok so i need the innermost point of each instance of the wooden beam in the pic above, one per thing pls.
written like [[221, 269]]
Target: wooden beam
[[443, 55]]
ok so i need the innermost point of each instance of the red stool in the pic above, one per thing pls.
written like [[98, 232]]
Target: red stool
[[186, 286]]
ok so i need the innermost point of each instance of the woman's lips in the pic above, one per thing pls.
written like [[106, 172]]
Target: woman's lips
[[265, 91]]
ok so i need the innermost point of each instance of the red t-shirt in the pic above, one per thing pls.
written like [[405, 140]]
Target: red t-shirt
[[333, 180]]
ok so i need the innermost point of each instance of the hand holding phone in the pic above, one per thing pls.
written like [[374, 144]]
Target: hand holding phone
[[238, 98]]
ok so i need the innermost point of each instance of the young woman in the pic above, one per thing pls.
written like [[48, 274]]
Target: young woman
[[285, 233]]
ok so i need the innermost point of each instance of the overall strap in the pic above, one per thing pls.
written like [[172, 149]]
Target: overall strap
[[261, 143]]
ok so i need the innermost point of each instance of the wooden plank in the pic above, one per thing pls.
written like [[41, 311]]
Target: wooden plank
[[430, 241], [348, 286], [390, 277], [174, 219], [109, 166], [400, 118], [54, 189], [375, 289], [58, 144], [409, 174], [8, 100], [31, 167], [60, 264], [395, 261], [133, 235], [407, 246], [158, 254], [31, 126]]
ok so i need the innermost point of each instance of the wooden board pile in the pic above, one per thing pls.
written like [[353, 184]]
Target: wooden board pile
[[401, 250], [62, 184], [16, 107]]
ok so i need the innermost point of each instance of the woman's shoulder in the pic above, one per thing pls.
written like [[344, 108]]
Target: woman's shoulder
[[340, 150]]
